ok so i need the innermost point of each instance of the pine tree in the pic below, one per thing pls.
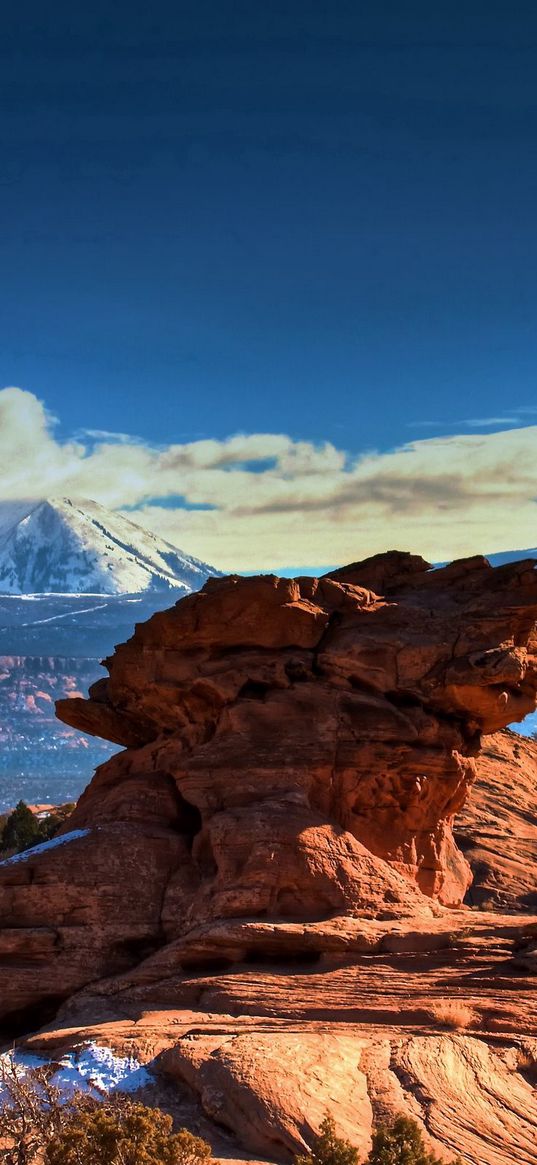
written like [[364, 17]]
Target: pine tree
[[21, 830], [328, 1149]]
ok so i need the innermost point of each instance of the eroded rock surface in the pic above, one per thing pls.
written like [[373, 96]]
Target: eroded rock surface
[[295, 752], [289, 710], [497, 828], [276, 842]]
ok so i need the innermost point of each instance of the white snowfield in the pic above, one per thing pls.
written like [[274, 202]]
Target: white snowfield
[[90, 1068], [58, 545], [43, 846]]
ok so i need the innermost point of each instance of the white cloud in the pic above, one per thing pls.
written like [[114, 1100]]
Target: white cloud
[[271, 501], [491, 422], [516, 416], [106, 435]]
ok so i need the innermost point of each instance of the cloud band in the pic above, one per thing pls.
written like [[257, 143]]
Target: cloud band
[[261, 501]]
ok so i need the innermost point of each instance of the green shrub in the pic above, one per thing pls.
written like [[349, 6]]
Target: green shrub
[[328, 1149], [124, 1132], [40, 1126], [401, 1143], [21, 829]]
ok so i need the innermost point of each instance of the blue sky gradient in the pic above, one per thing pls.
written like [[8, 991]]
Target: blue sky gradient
[[309, 218]]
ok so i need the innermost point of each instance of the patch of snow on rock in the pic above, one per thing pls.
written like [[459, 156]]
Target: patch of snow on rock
[[90, 1068], [44, 846]]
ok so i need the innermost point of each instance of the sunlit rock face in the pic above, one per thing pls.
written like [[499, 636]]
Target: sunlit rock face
[[295, 753], [347, 708], [497, 829]]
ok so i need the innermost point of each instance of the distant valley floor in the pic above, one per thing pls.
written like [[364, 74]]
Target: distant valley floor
[[50, 648], [40, 759]]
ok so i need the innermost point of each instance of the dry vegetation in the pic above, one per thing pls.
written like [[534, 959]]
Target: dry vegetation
[[527, 1063], [39, 1125], [454, 1013]]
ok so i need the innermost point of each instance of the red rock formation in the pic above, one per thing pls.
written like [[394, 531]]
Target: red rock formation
[[296, 751], [364, 709], [497, 829]]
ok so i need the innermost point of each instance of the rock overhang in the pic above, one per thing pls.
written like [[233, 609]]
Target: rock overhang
[[295, 752]]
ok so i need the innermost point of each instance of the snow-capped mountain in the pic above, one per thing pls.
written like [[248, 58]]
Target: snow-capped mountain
[[72, 547]]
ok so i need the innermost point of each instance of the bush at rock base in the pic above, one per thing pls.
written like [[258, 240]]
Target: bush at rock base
[[39, 1124], [32, 1110], [329, 1149], [401, 1143], [127, 1133]]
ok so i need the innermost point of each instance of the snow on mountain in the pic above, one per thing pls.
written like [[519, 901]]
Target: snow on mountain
[[73, 547]]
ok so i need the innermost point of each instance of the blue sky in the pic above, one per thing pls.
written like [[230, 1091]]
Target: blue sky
[[307, 219]]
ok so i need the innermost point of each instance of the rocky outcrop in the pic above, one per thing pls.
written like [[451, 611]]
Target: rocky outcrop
[[497, 828], [281, 706], [73, 908], [290, 1080], [295, 752], [272, 855], [254, 1059]]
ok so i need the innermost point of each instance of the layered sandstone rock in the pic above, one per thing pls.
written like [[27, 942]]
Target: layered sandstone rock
[[497, 828], [266, 882], [280, 706], [295, 753], [291, 1079]]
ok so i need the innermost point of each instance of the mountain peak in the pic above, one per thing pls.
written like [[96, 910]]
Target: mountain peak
[[72, 546]]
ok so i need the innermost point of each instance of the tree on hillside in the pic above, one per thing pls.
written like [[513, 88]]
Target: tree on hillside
[[401, 1143], [329, 1149], [21, 830], [38, 1123], [123, 1132]]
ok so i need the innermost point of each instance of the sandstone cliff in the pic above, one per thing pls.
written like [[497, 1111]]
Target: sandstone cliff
[[271, 860], [497, 828]]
